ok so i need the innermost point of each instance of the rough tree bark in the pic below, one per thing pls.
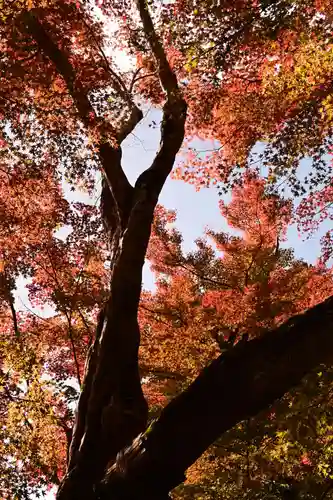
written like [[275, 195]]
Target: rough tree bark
[[112, 410]]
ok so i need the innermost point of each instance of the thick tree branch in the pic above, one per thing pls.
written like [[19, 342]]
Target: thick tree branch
[[7, 295], [235, 386], [14, 317]]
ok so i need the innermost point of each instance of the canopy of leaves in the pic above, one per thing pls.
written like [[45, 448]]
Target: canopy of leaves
[[250, 71]]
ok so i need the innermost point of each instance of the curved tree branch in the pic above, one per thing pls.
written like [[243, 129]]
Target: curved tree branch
[[174, 112], [234, 387]]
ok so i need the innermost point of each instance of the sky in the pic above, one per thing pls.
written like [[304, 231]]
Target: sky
[[195, 209]]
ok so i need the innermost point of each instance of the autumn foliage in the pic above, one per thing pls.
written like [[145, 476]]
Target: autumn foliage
[[236, 285], [232, 73]]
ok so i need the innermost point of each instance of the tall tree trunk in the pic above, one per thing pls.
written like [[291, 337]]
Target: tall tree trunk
[[111, 409]]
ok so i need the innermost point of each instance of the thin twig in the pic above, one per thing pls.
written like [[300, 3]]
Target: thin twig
[[137, 71], [32, 312], [142, 77]]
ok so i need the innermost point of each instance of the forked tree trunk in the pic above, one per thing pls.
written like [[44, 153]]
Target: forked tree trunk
[[111, 409]]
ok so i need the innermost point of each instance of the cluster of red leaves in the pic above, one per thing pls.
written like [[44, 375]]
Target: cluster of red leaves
[[31, 79], [31, 207], [251, 285], [41, 358], [248, 79]]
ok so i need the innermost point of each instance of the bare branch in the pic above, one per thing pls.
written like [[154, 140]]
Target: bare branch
[[33, 312], [134, 79], [141, 77]]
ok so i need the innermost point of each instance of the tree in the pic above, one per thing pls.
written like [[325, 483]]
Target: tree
[[65, 109], [251, 287]]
